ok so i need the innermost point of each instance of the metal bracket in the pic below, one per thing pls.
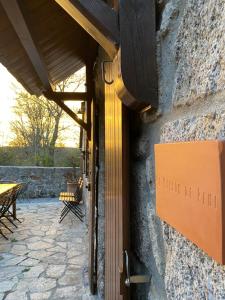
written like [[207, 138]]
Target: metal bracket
[[135, 279], [104, 72]]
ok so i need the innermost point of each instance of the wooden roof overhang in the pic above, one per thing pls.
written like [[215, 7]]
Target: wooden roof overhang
[[45, 41], [41, 45]]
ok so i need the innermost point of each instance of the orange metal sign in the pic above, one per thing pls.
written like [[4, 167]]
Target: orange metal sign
[[190, 192]]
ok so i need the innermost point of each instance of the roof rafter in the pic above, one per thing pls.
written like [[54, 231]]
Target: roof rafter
[[71, 96], [18, 22], [98, 19], [69, 111], [16, 18]]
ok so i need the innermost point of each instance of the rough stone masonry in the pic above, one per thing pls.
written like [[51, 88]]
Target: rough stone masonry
[[41, 182], [191, 64]]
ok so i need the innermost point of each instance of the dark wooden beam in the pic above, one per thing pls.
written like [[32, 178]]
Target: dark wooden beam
[[98, 19], [72, 114], [90, 92], [137, 80], [68, 111], [16, 18], [72, 96]]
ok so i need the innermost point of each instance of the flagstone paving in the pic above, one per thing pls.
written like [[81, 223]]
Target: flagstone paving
[[44, 259]]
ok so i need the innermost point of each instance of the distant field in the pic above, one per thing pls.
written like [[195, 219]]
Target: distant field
[[15, 156]]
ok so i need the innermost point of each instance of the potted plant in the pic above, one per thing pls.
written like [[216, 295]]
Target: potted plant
[[71, 183]]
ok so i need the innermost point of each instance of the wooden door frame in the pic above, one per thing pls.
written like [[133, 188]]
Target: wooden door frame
[[116, 192], [92, 139]]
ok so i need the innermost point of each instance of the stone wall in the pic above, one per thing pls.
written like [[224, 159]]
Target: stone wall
[[42, 182], [191, 47], [100, 95]]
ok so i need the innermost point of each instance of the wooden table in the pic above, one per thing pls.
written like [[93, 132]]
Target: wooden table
[[5, 187]]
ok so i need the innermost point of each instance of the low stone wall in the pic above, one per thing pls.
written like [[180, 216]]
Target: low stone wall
[[42, 182]]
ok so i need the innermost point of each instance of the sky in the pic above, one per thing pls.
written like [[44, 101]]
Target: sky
[[7, 96], [7, 100]]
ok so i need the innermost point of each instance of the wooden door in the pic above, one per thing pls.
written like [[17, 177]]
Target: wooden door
[[92, 137], [116, 192], [92, 202]]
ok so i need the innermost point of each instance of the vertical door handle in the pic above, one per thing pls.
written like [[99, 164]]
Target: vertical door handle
[[104, 72], [135, 279]]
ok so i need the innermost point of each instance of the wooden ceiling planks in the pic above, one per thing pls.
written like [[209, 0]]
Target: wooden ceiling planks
[[12, 55], [65, 56], [19, 25], [62, 43]]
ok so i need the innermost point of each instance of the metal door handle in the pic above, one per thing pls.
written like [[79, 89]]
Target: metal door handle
[[135, 279]]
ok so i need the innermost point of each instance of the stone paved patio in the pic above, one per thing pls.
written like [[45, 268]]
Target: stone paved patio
[[44, 259]]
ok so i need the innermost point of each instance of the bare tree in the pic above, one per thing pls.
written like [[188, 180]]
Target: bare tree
[[36, 126], [37, 123], [72, 83]]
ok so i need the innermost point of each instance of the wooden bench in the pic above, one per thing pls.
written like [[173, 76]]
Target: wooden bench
[[72, 202]]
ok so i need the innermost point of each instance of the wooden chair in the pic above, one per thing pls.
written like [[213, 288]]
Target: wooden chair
[[72, 202], [6, 202], [18, 190]]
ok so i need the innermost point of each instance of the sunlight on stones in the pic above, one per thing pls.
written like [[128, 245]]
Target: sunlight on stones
[[44, 259]]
